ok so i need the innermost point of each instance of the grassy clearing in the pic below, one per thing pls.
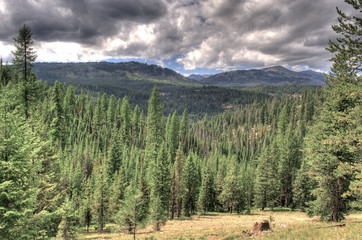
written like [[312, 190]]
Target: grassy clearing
[[225, 226]]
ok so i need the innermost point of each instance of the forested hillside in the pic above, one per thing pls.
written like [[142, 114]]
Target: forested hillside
[[136, 81], [276, 76], [70, 161]]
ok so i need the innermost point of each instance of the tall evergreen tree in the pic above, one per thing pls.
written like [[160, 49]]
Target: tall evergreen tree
[[66, 227], [130, 213], [155, 128], [24, 56], [334, 142], [184, 128], [160, 197], [266, 183], [58, 124], [231, 196], [126, 124], [100, 203], [86, 206], [190, 184], [177, 186], [173, 135]]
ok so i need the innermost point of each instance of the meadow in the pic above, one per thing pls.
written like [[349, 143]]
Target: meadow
[[285, 225]]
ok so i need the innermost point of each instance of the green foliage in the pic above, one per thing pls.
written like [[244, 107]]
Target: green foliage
[[100, 202], [333, 145], [66, 229], [17, 193], [86, 207], [160, 189], [266, 183], [206, 197], [130, 214], [231, 195], [190, 182], [5, 73], [24, 56], [150, 169], [155, 128]]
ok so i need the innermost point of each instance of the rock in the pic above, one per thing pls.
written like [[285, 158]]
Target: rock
[[260, 227]]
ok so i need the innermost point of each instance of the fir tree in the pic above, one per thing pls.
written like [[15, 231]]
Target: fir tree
[[66, 229], [160, 197], [177, 187], [126, 124], [130, 213], [24, 56], [333, 145], [155, 128], [190, 184], [86, 207], [57, 125], [116, 193], [100, 196], [173, 135], [231, 195]]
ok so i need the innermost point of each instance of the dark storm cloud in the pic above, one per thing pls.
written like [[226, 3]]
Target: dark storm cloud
[[223, 34], [77, 21]]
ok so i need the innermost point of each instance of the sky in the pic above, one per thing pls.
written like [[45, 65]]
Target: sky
[[188, 36]]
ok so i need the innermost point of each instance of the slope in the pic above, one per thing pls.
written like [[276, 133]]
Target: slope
[[268, 76]]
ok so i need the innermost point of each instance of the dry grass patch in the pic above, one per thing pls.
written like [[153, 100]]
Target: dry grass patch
[[225, 226]]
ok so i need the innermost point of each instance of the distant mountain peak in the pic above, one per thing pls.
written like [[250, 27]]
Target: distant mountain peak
[[277, 69], [198, 77]]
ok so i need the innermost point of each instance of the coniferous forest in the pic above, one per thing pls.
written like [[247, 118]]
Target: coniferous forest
[[71, 160]]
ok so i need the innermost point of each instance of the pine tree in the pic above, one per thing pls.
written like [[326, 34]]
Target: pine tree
[[86, 207], [160, 197], [177, 187], [58, 125], [173, 135], [111, 111], [126, 124], [114, 159], [130, 213], [24, 56], [184, 128], [190, 183], [333, 145], [69, 105], [135, 124], [116, 193], [66, 229], [100, 196], [206, 197], [231, 196], [302, 187], [155, 129], [266, 183]]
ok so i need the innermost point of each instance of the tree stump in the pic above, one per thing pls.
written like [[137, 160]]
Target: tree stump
[[260, 227]]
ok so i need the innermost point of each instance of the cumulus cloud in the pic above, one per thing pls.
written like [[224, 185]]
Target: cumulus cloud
[[216, 34]]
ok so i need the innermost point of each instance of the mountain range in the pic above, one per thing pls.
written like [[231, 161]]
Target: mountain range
[[199, 77], [268, 76], [132, 75], [140, 76]]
